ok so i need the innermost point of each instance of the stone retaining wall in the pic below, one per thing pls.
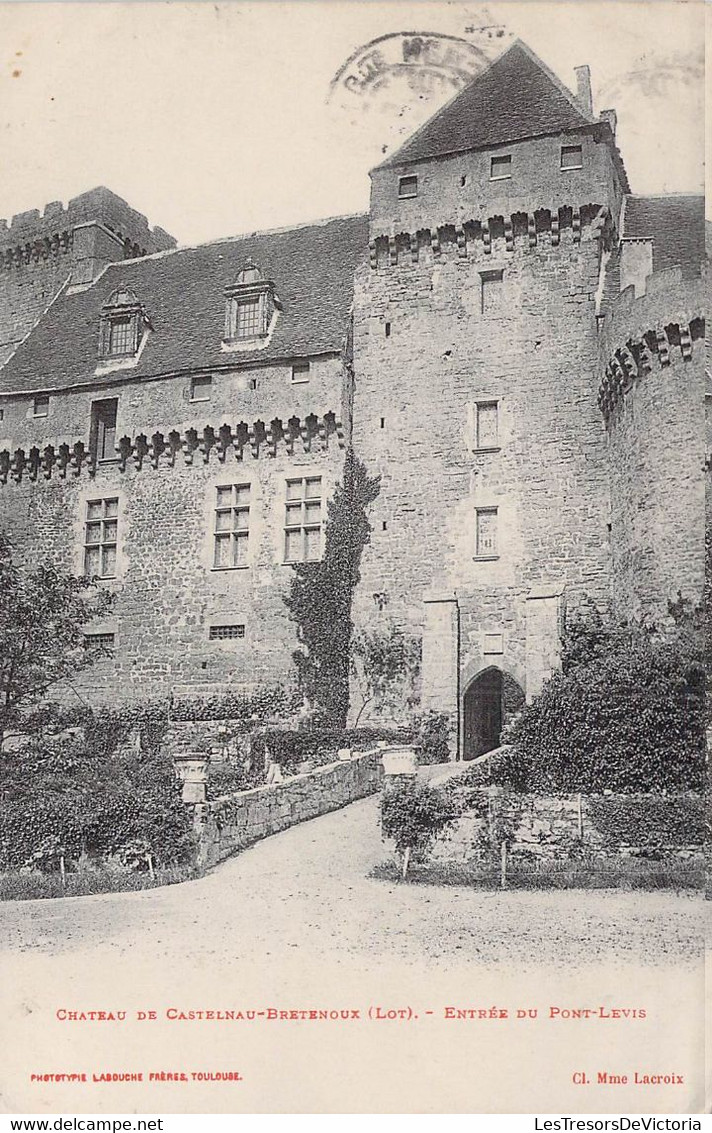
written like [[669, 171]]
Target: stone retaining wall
[[230, 823], [543, 828]]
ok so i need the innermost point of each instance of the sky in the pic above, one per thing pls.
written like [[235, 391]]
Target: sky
[[220, 118]]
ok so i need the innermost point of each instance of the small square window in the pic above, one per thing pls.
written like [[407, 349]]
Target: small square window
[[41, 405], [407, 187], [486, 533], [300, 372], [571, 157], [200, 388], [487, 425], [501, 167]]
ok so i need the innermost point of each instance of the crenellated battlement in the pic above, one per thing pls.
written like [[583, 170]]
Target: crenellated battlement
[[476, 236], [32, 234], [312, 432], [636, 332]]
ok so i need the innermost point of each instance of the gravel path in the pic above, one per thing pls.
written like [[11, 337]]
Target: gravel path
[[308, 889]]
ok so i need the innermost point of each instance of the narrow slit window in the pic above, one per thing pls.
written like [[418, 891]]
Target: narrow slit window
[[231, 526]]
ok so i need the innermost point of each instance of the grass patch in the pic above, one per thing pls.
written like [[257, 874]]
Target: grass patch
[[31, 885], [631, 873]]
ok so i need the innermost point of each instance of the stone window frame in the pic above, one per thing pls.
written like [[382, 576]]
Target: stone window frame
[[122, 309], [407, 186], [302, 526], [481, 555], [40, 405], [201, 382], [489, 276], [100, 639], [571, 149], [227, 631], [100, 429], [233, 528], [486, 403], [250, 289], [106, 542], [499, 159]]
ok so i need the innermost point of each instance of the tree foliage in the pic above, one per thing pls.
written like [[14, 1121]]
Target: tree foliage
[[43, 614], [627, 713], [68, 795], [321, 595], [384, 664]]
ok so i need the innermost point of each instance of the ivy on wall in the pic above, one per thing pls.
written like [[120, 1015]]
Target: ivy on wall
[[321, 595]]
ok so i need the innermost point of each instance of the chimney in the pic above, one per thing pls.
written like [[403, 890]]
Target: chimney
[[611, 118], [583, 89]]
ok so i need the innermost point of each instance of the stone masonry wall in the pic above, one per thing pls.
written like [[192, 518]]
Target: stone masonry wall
[[426, 353], [235, 821], [548, 828], [656, 446], [168, 590]]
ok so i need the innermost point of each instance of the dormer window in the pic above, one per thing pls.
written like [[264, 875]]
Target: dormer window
[[250, 305], [122, 324]]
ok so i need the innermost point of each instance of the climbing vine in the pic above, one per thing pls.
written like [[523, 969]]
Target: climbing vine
[[321, 595]]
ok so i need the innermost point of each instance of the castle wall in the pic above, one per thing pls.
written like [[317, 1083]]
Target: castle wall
[[169, 592], [249, 393], [417, 388], [40, 253], [652, 351], [537, 181]]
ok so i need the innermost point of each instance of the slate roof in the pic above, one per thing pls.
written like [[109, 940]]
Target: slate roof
[[312, 267], [517, 97], [676, 224]]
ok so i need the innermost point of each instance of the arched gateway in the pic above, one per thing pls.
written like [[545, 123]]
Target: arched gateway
[[490, 701]]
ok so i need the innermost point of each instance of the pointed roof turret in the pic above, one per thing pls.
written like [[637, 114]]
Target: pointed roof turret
[[517, 97]]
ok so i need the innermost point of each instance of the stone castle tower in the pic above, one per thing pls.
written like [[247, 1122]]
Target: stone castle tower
[[41, 254], [511, 340], [527, 419]]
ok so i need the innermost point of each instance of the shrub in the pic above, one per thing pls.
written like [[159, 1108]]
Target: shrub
[[413, 814], [64, 798], [290, 747], [628, 719], [431, 738]]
